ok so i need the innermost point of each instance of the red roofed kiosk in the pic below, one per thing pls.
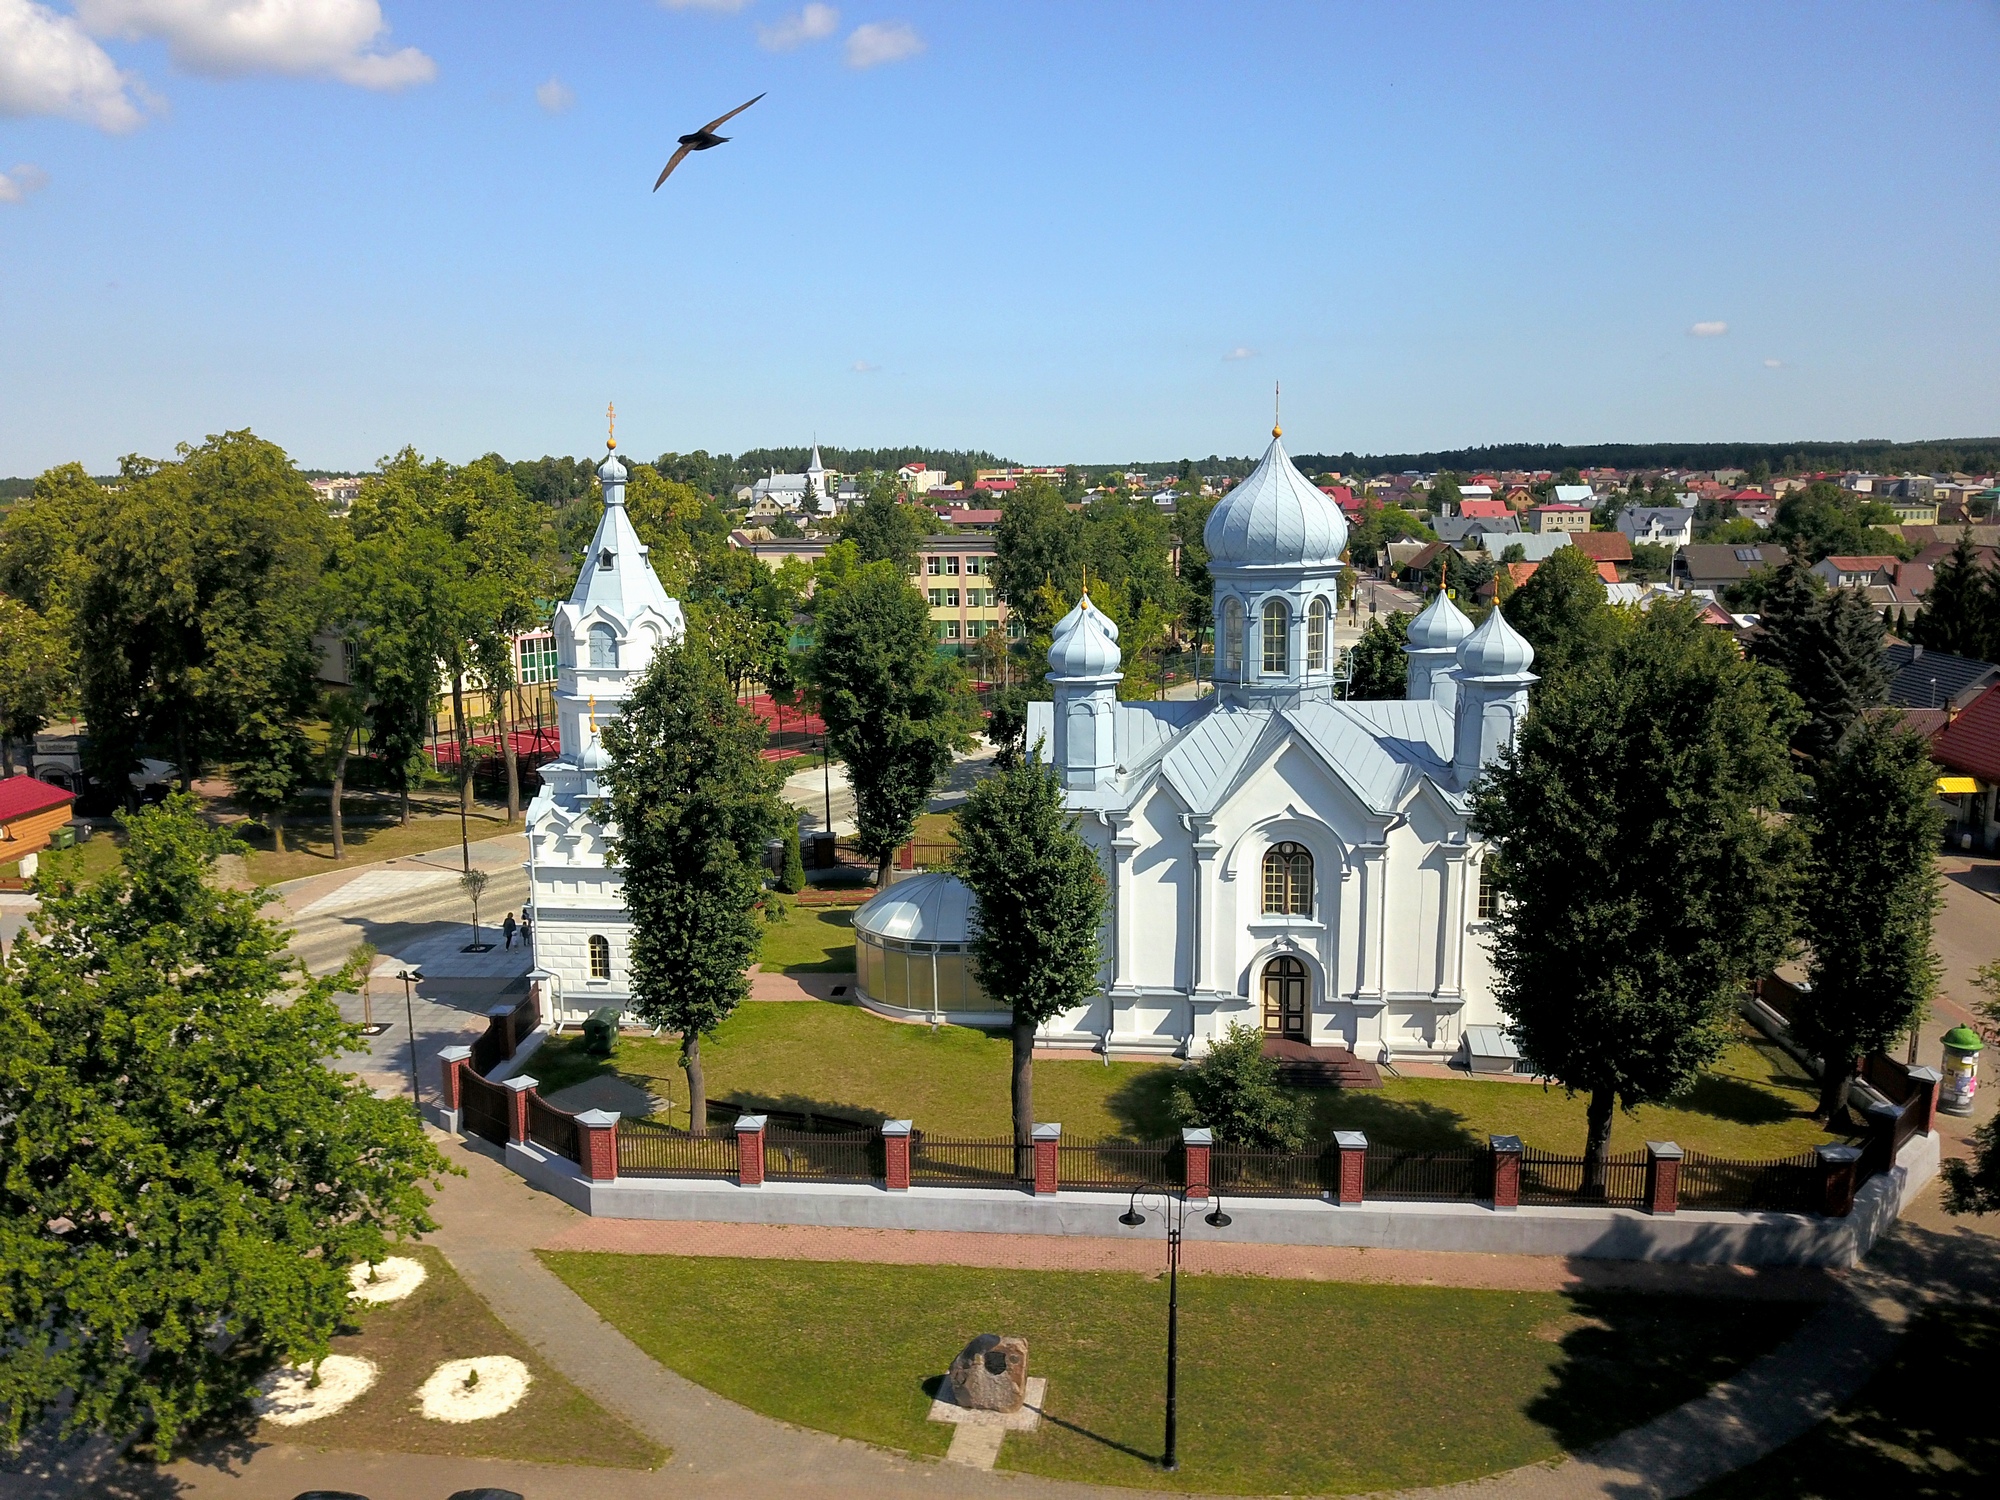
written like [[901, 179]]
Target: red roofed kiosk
[[30, 811]]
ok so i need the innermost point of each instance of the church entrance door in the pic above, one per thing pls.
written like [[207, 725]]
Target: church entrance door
[[1286, 986]]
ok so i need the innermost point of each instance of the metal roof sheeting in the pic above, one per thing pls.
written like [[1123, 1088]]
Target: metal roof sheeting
[[931, 908]]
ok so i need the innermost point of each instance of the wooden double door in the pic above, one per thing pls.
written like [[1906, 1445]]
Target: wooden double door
[[1287, 998]]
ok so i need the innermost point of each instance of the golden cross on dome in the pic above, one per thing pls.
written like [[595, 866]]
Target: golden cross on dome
[[611, 420], [1276, 430]]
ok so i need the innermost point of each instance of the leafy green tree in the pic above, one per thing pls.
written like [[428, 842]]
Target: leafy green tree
[[1643, 872], [1564, 612], [35, 675], [1190, 521], [694, 802], [1445, 492], [1961, 613], [886, 528], [1234, 1091], [1651, 562], [1041, 896], [895, 710], [1381, 670], [1039, 540], [1872, 896], [1823, 520], [180, 1159], [1828, 643], [1381, 525], [792, 878]]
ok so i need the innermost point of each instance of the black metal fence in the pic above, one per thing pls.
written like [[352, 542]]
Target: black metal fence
[[1241, 1172], [1120, 1166], [552, 1129], [1792, 1185], [646, 1149], [990, 1162], [1427, 1176], [483, 1107], [810, 1156], [1551, 1180]]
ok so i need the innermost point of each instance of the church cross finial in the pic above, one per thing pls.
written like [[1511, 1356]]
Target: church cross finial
[[1276, 429], [611, 421]]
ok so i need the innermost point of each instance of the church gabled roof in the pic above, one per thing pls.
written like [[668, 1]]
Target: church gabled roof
[[616, 576], [1276, 518]]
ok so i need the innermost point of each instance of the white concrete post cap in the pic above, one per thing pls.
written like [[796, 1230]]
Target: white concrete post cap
[[746, 1123], [1837, 1155], [1048, 1131], [1351, 1140], [1924, 1075], [896, 1127], [519, 1083], [597, 1119], [1193, 1135], [1506, 1144], [1664, 1150], [495, 1011], [454, 1054]]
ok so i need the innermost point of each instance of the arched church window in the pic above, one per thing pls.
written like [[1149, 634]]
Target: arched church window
[[600, 957], [1288, 881], [1316, 635], [603, 646], [1232, 636], [1277, 638]]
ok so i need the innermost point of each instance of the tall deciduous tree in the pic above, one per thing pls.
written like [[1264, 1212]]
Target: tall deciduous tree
[[180, 1160], [885, 527], [1564, 612], [1643, 873], [35, 675], [1041, 909], [693, 801], [1380, 668], [1870, 898], [1039, 541], [894, 709]]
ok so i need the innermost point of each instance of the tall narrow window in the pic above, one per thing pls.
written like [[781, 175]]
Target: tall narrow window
[[1232, 637], [1277, 643], [1316, 635], [1488, 898], [603, 646], [600, 957], [1288, 881]]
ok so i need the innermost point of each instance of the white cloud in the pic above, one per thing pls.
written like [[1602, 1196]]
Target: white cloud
[[49, 67], [882, 42], [23, 180], [862, 367], [227, 38], [555, 96], [1708, 330], [1241, 351], [1774, 364], [815, 23], [722, 7]]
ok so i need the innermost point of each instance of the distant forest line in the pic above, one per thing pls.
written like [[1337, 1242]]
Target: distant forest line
[[557, 479]]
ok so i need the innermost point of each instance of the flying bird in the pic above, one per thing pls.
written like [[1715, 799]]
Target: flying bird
[[701, 140]]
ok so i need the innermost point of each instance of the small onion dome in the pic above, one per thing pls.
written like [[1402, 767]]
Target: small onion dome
[[1440, 627], [1276, 518], [594, 757], [1085, 643], [933, 908], [611, 471], [1495, 649]]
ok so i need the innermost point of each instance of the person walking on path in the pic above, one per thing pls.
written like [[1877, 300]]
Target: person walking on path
[[507, 927], [527, 925]]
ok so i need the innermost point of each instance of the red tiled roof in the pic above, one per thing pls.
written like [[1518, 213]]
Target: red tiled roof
[[1603, 546], [1607, 572], [1483, 510], [1861, 564], [972, 517], [1970, 743], [21, 796]]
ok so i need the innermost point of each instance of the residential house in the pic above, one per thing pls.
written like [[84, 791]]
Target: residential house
[[1969, 750], [1850, 572], [1558, 517], [1483, 510], [1604, 546], [1658, 525], [30, 813], [1716, 565], [1535, 547], [1935, 679], [1458, 528]]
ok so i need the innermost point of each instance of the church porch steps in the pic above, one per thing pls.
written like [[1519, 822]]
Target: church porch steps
[[1307, 1067]]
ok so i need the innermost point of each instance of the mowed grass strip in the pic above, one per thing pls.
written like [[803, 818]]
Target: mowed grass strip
[[844, 1060], [810, 940], [445, 1319], [1303, 1387]]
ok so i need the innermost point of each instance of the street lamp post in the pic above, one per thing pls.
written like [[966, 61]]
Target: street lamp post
[[410, 978], [1173, 1213], [826, 780]]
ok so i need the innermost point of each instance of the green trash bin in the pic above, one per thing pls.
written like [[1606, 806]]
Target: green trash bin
[[1962, 1046], [600, 1032]]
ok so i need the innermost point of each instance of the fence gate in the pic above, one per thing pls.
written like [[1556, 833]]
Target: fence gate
[[483, 1107]]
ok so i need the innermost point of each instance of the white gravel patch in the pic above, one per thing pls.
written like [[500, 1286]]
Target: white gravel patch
[[291, 1399], [452, 1395], [394, 1279]]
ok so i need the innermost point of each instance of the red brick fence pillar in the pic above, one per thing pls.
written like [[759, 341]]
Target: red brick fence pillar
[[1048, 1171], [1663, 1177], [1924, 1098], [1506, 1171], [1350, 1183], [1837, 1168], [1196, 1143], [500, 1024], [597, 1144], [750, 1150], [519, 1090], [896, 1155], [450, 1090]]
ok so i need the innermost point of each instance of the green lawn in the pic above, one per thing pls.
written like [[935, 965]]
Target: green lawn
[[841, 1059], [1301, 1387], [810, 940], [1923, 1427]]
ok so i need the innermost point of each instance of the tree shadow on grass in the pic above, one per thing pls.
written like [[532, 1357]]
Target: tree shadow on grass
[[1417, 1125], [933, 1388], [1143, 1104], [1627, 1358], [1736, 1101]]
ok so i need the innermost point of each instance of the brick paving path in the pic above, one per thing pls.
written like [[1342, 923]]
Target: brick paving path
[[1144, 1254]]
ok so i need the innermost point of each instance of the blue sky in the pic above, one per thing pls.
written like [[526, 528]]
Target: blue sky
[[1060, 231]]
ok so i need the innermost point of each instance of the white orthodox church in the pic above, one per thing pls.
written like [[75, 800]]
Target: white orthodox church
[[1278, 856], [606, 634]]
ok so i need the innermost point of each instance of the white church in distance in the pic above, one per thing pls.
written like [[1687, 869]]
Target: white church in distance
[[617, 616], [1277, 856]]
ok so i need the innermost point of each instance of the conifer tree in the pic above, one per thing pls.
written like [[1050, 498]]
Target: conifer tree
[[1041, 900], [1828, 643], [1871, 895], [694, 802], [1380, 668], [1961, 613]]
